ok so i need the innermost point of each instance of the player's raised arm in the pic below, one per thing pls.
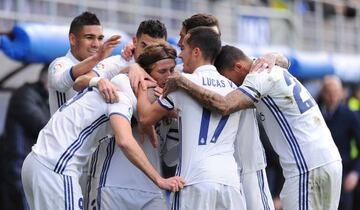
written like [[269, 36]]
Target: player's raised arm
[[89, 63], [225, 105], [131, 149]]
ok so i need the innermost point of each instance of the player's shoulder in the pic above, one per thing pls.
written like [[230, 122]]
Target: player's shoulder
[[122, 82], [60, 62], [114, 59]]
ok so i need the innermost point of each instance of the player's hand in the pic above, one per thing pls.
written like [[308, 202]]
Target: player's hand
[[128, 51], [172, 83], [158, 91], [148, 130], [108, 91], [106, 49], [261, 64], [137, 75], [172, 184], [351, 181]]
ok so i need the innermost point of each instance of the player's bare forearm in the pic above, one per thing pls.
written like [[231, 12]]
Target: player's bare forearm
[[82, 82], [149, 113], [131, 149], [211, 100], [85, 66]]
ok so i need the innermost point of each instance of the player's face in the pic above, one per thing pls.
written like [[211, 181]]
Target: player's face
[[87, 42], [182, 35], [161, 70], [186, 55], [142, 41]]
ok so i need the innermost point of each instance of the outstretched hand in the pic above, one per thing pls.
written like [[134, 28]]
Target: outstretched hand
[[172, 83], [106, 49]]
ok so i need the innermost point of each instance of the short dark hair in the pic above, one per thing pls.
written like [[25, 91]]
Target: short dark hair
[[227, 58], [85, 19], [153, 28], [155, 52], [200, 19], [207, 40]]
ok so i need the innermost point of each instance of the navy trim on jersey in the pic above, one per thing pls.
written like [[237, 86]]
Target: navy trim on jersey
[[71, 74], [164, 105], [105, 169], [176, 201], [295, 148], [263, 196], [93, 164], [122, 115], [61, 98], [248, 94], [69, 152], [68, 193], [178, 168], [254, 90], [97, 74]]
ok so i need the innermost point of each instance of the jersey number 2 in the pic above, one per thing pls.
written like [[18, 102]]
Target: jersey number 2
[[204, 127], [302, 105]]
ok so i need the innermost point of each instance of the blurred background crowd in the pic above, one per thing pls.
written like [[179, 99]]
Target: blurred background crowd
[[321, 39]]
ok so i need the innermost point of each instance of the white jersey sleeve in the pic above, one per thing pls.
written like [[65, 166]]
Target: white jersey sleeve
[[60, 74], [258, 84], [127, 100], [111, 66]]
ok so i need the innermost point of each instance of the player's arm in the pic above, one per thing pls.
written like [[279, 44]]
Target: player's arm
[[89, 63], [91, 79], [232, 102], [149, 113], [131, 149]]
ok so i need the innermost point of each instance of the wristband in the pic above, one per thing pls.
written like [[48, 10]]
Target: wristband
[[94, 81]]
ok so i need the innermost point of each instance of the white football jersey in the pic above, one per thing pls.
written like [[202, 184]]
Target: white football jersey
[[114, 162], [73, 132], [61, 78], [249, 152], [292, 121], [206, 138]]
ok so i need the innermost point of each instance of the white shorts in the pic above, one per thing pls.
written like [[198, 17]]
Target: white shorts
[[256, 191], [110, 198], [209, 196], [45, 189], [318, 189]]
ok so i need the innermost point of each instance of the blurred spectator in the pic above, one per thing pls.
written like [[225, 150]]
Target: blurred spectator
[[27, 114], [344, 125], [330, 9], [354, 101]]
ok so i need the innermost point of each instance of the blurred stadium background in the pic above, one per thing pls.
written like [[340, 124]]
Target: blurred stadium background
[[320, 37]]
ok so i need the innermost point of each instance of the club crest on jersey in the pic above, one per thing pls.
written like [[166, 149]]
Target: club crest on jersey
[[129, 112], [58, 66], [100, 66]]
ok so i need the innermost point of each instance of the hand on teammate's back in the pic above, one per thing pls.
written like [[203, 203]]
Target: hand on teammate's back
[[108, 91], [106, 49], [262, 64]]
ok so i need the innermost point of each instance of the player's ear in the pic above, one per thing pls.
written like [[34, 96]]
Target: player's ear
[[134, 40], [196, 51], [238, 66]]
